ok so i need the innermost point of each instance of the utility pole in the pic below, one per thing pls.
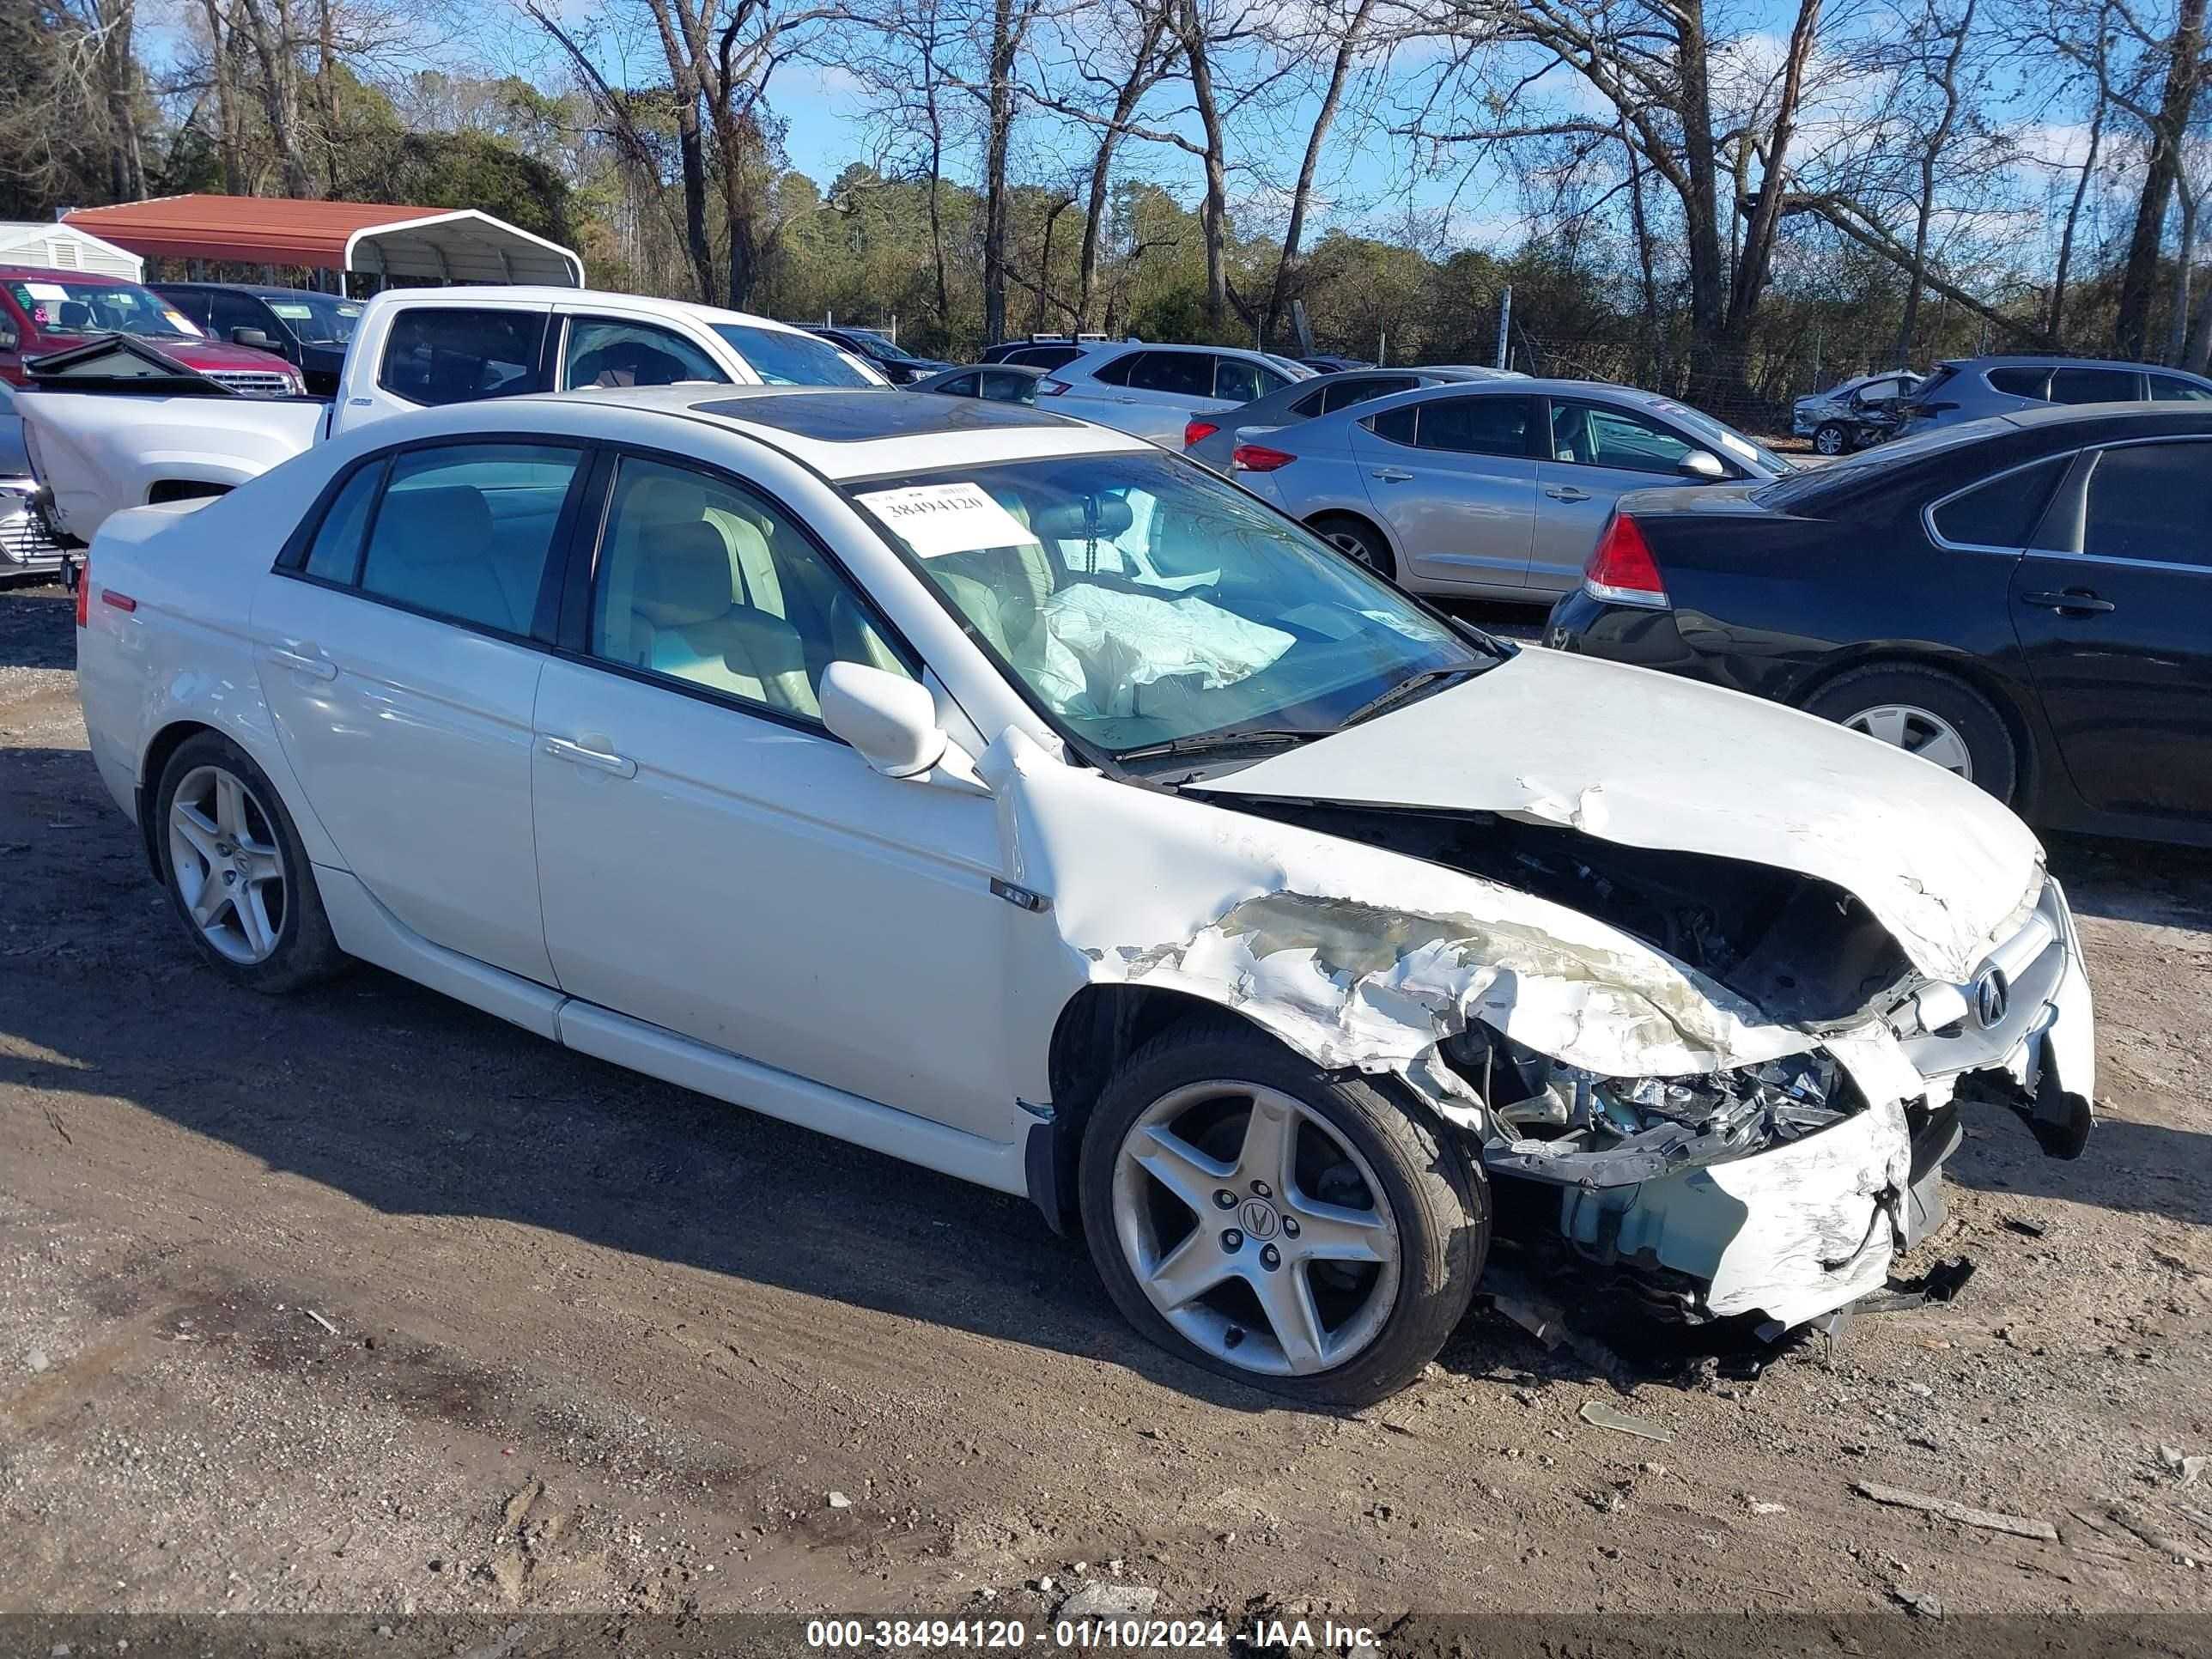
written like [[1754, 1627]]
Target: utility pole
[[1504, 322]]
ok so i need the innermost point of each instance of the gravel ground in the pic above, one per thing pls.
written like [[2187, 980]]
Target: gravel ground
[[362, 1301]]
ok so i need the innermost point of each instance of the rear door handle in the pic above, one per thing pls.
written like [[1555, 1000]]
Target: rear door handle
[[2076, 601], [1394, 475], [576, 754], [308, 661], [1566, 493]]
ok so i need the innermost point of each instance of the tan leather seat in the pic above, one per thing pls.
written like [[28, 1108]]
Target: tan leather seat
[[686, 622]]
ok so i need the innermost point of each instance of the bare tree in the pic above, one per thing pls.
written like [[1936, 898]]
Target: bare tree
[[1351, 43], [1948, 38]]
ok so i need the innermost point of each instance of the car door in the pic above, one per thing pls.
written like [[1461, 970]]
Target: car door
[[604, 352], [229, 313], [712, 860], [1455, 479], [400, 651], [2119, 634], [1599, 451]]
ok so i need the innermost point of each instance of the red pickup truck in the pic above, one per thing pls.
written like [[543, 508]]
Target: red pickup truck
[[43, 310]]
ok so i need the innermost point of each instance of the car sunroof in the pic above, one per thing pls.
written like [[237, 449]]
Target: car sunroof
[[859, 416]]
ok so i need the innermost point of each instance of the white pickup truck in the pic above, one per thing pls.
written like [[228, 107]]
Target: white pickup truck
[[109, 446]]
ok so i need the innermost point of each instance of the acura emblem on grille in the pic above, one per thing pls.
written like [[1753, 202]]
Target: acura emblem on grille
[[1991, 995]]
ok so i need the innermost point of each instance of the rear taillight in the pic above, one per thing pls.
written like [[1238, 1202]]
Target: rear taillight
[[1621, 570], [1049, 387], [1197, 432], [84, 590], [1258, 458]]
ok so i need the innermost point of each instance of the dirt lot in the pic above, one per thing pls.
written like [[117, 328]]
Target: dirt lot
[[366, 1302]]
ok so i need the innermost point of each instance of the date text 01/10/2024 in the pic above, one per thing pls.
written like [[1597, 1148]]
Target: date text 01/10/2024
[[894, 1634]]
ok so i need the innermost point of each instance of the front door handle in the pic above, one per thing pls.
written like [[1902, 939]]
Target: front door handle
[[1566, 493], [1394, 475], [576, 754], [308, 660], [2074, 601]]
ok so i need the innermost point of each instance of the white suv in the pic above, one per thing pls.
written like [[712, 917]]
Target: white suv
[[1154, 391]]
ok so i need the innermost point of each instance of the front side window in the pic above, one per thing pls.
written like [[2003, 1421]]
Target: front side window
[[700, 582], [605, 352], [319, 318], [2095, 385], [1140, 601], [1602, 434], [781, 356], [2171, 389], [2152, 501], [466, 531], [960, 385], [1478, 426], [454, 354], [228, 313], [1010, 388]]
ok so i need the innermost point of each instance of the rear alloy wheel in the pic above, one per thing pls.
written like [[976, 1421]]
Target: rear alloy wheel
[[1831, 438], [1927, 712], [1298, 1231], [236, 871], [1361, 543]]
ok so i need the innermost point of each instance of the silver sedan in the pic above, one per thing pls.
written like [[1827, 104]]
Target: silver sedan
[[1495, 489], [1212, 438]]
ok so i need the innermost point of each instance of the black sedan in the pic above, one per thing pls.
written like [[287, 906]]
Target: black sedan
[[2025, 600]]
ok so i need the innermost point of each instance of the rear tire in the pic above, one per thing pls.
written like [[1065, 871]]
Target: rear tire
[[1831, 438], [1928, 712], [1351, 1240], [1357, 540], [236, 871]]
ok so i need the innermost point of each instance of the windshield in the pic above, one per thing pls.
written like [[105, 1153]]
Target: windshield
[[1297, 371], [1142, 601], [787, 357], [1725, 438], [58, 306], [317, 318]]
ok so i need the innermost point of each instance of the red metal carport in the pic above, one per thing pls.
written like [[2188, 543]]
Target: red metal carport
[[401, 244]]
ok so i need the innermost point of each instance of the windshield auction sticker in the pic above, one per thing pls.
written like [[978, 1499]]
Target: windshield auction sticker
[[935, 519]]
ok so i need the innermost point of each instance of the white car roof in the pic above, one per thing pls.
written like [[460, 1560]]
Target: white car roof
[[845, 433], [597, 299]]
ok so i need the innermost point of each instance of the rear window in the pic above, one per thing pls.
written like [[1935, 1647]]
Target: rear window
[[454, 354], [1808, 488]]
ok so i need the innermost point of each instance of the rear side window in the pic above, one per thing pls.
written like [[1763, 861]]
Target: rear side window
[[2003, 512], [450, 354], [1335, 396], [1043, 357], [1478, 426], [961, 385], [2152, 501], [2022, 382], [1180, 374], [466, 531], [335, 555], [603, 351], [1397, 425], [2094, 385], [1116, 371]]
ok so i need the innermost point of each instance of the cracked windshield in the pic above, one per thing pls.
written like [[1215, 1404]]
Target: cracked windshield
[[1151, 608]]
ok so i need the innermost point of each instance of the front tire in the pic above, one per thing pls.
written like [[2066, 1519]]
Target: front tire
[[1927, 712], [236, 871], [1347, 1245]]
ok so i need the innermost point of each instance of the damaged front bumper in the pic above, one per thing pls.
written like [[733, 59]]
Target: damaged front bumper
[[1806, 1222]]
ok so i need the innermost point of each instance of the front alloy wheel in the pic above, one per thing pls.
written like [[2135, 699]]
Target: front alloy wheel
[[1313, 1233], [1219, 1207]]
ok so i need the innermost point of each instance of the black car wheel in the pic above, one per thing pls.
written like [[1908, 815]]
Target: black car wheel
[[1831, 438], [1927, 712]]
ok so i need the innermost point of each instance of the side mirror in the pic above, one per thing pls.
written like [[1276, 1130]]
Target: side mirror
[[891, 721], [252, 336], [1702, 465]]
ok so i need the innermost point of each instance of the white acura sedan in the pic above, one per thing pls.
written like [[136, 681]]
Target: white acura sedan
[[1002, 792]]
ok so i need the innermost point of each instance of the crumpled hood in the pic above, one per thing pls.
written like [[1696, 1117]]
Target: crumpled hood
[[1648, 760]]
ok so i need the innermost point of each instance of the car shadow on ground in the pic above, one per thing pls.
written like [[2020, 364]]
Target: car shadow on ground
[[35, 626], [414, 1104]]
